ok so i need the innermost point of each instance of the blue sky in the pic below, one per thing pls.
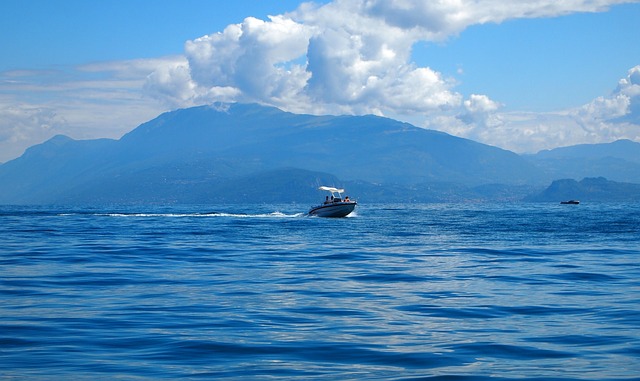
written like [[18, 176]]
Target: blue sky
[[522, 76], [37, 34]]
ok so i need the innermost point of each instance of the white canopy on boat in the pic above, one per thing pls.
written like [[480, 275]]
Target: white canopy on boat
[[331, 189]]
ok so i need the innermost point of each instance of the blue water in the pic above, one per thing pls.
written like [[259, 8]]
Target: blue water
[[263, 292]]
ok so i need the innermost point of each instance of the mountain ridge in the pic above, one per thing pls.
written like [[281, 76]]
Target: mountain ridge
[[618, 160], [206, 149]]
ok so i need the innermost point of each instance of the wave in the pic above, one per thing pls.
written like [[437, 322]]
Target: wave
[[237, 291]]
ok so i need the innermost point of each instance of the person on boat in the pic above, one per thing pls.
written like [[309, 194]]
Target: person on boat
[[326, 200], [346, 199]]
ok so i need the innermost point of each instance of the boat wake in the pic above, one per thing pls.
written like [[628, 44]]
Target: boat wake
[[212, 214], [259, 215]]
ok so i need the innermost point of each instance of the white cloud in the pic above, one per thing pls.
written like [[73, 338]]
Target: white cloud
[[172, 83], [477, 108], [604, 108], [605, 119], [439, 19], [334, 58], [630, 88], [255, 57], [622, 103], [343, 56], [22, 125]]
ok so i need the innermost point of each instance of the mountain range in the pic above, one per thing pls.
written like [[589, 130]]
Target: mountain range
[[619, 161], [251, 153]]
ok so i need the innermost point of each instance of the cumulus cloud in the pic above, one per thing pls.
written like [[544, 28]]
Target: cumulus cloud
[[343, 56], [339, 57], [254, 61], [629, 87], [478, 108], [621, 105], [605, 119]]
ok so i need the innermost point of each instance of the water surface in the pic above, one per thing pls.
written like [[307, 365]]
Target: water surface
[[394, 292]]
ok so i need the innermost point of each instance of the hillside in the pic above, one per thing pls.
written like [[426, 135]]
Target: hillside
[[252, 153]]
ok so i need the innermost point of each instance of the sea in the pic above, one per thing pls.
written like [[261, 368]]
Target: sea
[[469, 291]]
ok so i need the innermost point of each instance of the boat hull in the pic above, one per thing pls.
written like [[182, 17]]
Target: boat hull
[[338, 209]]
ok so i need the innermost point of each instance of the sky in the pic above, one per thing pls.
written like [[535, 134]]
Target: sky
[[524, 76]]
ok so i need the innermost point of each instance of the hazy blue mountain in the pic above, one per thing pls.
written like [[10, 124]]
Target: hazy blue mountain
[[588, 189], [252, 138], [619, 161], [47, 171], [252, 153]]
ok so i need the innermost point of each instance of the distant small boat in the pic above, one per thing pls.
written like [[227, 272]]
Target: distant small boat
[[570, 202], [335, 206]]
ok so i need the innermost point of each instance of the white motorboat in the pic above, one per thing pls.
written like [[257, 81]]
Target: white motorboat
[[334, 206]]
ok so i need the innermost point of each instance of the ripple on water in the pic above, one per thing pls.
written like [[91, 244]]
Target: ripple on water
[[419, 292]]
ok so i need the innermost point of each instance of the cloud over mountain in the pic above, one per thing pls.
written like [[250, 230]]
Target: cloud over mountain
[[355, 57], [340, 57]]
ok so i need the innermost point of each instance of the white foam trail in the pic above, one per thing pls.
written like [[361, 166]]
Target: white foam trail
[[215, 214], [262, 215]]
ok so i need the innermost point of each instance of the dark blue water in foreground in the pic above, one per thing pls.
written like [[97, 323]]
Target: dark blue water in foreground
[[401, 292]]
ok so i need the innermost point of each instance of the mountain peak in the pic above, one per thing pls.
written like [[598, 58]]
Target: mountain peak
[[48, 147], [59, 139]]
